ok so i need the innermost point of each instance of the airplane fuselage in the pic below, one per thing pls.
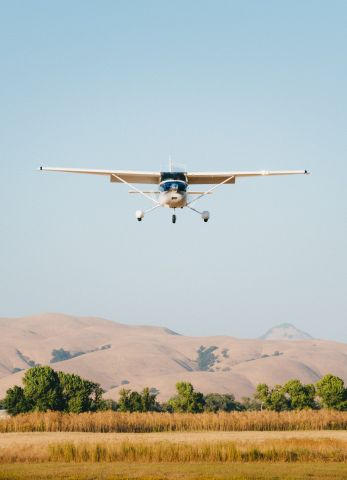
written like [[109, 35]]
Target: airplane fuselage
[[173, 193]]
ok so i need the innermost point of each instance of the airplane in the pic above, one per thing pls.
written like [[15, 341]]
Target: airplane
[[173, 185]]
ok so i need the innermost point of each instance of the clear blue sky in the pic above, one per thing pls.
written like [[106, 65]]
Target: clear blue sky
[[230, 85]]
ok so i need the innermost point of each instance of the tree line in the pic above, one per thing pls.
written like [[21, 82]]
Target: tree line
[[45, 389]]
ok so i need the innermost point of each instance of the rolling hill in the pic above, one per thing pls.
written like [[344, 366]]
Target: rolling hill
[[118, 355]]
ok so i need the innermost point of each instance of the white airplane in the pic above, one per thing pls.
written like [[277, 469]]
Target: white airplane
[[173, 186]]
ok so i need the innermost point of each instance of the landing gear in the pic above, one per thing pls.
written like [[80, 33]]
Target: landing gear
[[139, 215], [173, 218], [205, 216]]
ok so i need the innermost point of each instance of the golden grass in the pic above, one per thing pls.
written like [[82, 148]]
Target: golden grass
[[285, 450], [166, 422], [19, 439], [281, 451]]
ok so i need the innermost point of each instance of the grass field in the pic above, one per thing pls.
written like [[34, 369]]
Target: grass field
[[14, 440], [172, 455], [206, 471], [178, 448], [110, 421]]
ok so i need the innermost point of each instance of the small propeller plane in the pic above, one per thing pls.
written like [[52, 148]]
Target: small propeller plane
[[173, 185]]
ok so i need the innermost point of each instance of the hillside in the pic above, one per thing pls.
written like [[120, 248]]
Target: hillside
[[137, 356]]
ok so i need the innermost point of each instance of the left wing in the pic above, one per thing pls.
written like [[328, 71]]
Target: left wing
[[230, 177], [115, 175]]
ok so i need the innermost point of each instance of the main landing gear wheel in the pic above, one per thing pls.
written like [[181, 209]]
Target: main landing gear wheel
[[174, 218], [139, 215], [205, 216]]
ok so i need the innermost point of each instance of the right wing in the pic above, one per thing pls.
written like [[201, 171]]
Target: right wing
[[115, 175], [230, 177]]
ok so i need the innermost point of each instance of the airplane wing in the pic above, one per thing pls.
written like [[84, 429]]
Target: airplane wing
[[114, 175], [219, 177], [131, 176]]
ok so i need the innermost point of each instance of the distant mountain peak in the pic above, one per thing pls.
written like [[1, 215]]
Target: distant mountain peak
[[285, 331]]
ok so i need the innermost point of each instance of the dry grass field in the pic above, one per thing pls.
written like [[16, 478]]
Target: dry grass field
[[279, 450], [109, 421], [174, 455], [112, 445]]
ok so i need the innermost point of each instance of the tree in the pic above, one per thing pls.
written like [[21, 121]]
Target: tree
[[137, 402], [272, 399], [80, 395], [250, 404], [300, 396], [186, 400], [15, 401], [42, 387], [332, 392], [129, 401], [215, 402], [149, 401]]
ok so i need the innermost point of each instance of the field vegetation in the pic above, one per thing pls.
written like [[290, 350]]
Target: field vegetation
[[287, 450], [173, 471], [110, 421]]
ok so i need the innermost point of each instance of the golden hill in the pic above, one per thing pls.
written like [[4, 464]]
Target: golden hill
[[118, 355]]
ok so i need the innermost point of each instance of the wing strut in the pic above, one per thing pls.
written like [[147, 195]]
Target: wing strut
[[210, 190], [120, 179]]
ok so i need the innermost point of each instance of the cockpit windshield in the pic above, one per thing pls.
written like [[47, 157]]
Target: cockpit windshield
[[177, 185]]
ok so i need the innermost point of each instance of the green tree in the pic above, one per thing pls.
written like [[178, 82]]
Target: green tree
[[186, 400], [108, 404], [42, 387], [262, 394], [15, 401], [332, 392], [272, 399], [137, 402], [250, 404], [216, 402], [80, 395], [300, 396], [129, 401], [149, 401]]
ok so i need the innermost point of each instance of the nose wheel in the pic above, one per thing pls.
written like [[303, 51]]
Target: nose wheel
[[173, 218]]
